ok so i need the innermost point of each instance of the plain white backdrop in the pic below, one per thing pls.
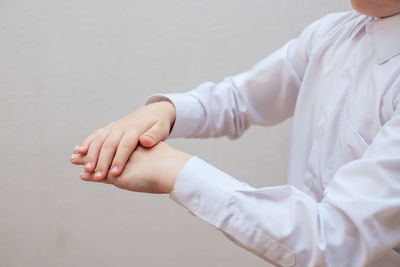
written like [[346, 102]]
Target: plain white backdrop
[[70, 67]]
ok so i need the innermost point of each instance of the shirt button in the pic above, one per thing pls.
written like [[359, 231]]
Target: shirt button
[[310, 182], [348, 73], [322, 129], [195, 203]]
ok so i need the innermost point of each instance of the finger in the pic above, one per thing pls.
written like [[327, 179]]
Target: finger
[[158, 132], [89, 177], [84, 146], [125, 148], [86, 176], [94, 149], [78, 159], [107, 153]]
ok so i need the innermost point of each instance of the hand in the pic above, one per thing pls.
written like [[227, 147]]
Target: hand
[[149, 170], [114, 144]]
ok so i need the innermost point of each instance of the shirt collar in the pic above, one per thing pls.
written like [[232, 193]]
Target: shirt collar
[[359, 25], [385, 33]]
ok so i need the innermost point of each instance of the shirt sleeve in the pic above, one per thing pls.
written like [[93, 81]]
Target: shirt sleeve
[[355, 224], [264, 95]]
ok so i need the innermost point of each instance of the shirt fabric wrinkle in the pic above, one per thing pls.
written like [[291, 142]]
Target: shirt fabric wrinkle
[[339, 80]]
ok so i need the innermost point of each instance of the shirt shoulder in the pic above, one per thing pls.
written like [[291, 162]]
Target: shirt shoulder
[[333, 23], [322, 29]]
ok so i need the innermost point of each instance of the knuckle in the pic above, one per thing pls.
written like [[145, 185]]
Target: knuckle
[[127, 144], [162, 125], [130, 137], [98, 132], [92, 155], [108, 145], [89, 156], [134, 125], [132, 133], [101, 133], [101, 158]]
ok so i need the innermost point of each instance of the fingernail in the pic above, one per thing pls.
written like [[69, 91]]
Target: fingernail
[[88, 166], [83, 175], [114, 169], [149, 136], [98, 174], [74, 156]]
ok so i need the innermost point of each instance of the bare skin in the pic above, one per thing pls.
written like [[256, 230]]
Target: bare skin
[[109, 148], [153, 166], [149, 170], [377, 8], [134, 144]]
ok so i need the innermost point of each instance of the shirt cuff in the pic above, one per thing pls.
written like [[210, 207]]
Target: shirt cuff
[[205, 190], [210, 194], [189, 113]]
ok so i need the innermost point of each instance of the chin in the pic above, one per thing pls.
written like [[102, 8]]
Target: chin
[[373, 8]]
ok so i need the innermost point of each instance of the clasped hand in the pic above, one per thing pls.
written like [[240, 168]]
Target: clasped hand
[[130, 154]]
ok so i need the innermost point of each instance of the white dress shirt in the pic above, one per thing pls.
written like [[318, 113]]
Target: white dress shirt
[[340, 80]]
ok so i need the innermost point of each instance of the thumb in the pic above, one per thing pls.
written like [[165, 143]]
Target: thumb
[[158, 132]]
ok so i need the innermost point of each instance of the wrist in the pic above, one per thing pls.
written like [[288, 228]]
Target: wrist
[[172, 112]]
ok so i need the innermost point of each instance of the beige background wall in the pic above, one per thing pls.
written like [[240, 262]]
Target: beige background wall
[[69, 67]]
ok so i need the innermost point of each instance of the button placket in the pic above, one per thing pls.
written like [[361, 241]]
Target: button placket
[[348, 73], [309, 178], [310, 182], [322, 128]]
